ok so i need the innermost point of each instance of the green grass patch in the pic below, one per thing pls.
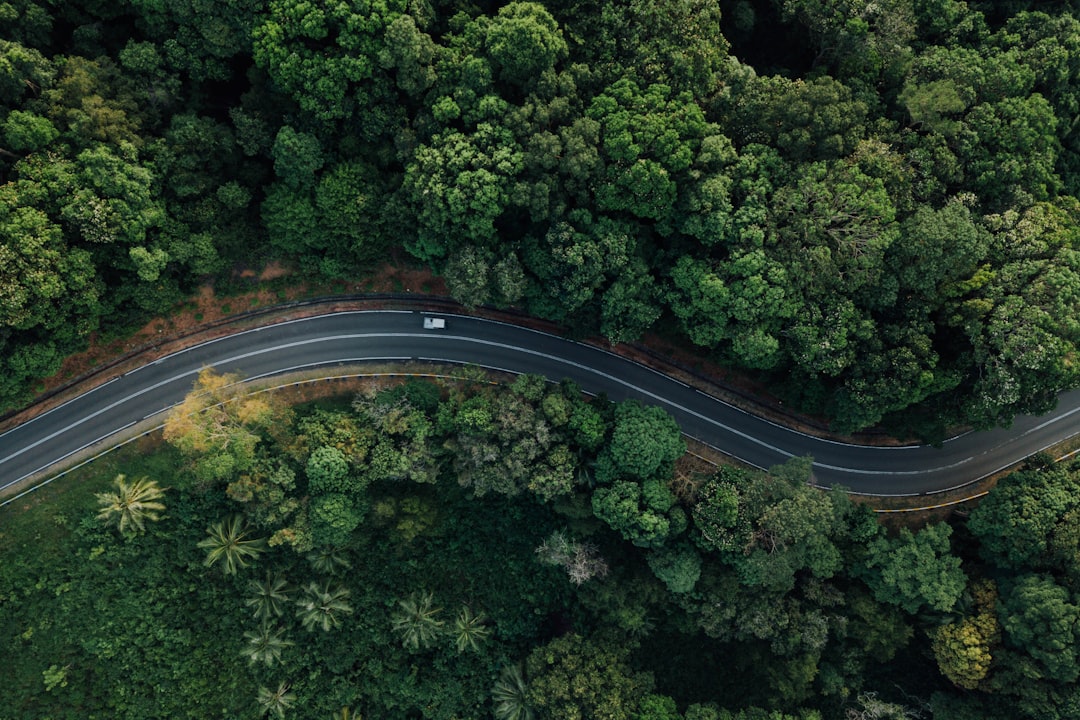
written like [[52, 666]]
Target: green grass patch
[[40, 522]]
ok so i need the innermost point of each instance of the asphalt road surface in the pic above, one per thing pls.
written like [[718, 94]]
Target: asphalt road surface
[[348, 338]]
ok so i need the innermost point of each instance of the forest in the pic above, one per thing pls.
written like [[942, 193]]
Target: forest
[[468, 550], [868, 206]]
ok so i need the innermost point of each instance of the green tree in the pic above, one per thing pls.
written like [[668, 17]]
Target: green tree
[[327, 470], [1016, 319], [649, 139], [657, 707], [459, 185], [645, 442], [1011, 148], [677, 43], [132, 504], [819, 119], [1016, 523], [939, 250], [228, 543], [576, 678], [744, 302], [40, 273], [916, 571], [25, 132], [720, 515], [574, 261], [268, 597], [323, 607], [643, 513], [325, 57], [1039, 619], [200, 39], [417, 621], [469, 630], [264, 645], [510, 696], [523, 40], [678, 568], [23, 70], [275, 702], [297, 157]]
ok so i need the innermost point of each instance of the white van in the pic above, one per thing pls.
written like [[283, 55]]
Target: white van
[[433, 323]]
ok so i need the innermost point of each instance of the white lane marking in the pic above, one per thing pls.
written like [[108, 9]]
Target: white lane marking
[[202, 345], [1051, 421], [67, 455], [520, 328], [94, 414], [554, 358], [73, 468]]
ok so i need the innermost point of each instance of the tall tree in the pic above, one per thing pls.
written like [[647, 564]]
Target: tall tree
[[275, 702], [132, 504], [576, 678], [228, 543], [324, 56], [264, 645], [417, 621], [268, 597], [916, 571], [323, 607]]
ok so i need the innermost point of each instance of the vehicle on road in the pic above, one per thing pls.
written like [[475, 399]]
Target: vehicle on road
[[434, 323]]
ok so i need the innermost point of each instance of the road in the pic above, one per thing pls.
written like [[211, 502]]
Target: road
[[348, 338]]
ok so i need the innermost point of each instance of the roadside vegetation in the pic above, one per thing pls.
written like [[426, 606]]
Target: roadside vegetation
[[463, 550], [869, 206]]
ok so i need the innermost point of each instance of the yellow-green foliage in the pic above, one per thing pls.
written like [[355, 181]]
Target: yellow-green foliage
[[963, 649]]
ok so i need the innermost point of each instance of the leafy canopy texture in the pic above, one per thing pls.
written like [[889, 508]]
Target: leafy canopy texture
[[132, 504], [228, 544]]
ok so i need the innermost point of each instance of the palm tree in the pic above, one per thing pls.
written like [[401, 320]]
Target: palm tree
[[264, 645], [132, 504], [226, 542], [328, 560], [510, 696], [323, 606], [417, 621], [345, 713], [276, 702], [469, 630], [267, 597]]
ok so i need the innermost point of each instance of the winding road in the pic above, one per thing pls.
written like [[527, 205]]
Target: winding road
[[350, 337]]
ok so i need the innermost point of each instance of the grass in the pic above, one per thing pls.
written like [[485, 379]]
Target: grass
[[40, 521]]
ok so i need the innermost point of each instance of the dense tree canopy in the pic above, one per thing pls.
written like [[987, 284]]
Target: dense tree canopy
[[871, 206], [464, 549]]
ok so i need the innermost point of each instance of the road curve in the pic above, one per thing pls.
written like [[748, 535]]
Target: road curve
[[351, 337]]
